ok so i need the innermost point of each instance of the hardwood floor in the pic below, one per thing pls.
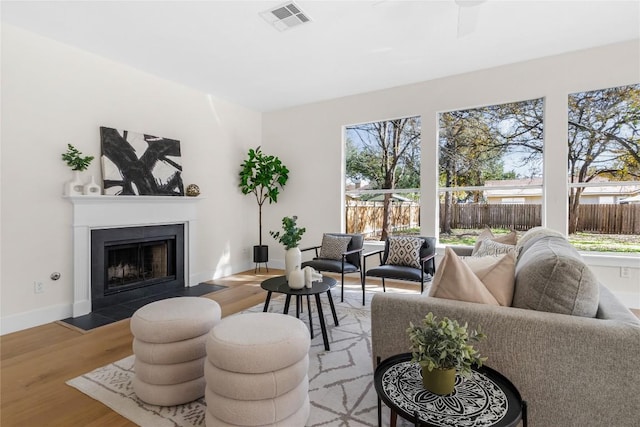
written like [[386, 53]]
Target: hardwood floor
[[36, 363]]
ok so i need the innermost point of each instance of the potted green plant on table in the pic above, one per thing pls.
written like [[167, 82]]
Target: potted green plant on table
[[263, 176], [290, 238], [443, 348], [74, 159]]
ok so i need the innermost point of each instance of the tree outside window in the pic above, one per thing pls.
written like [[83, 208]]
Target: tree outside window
[[382, 169], [604, 153], [490, 162]]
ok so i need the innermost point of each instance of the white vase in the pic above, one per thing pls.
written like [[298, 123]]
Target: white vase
[[75, 186], [292, 259], [296, 279], [91, 188]]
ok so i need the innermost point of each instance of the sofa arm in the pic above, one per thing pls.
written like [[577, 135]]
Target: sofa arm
[[572, 371]]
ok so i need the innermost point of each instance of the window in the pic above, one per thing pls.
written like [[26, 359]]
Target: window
[[604, 169], [382, 170], [490, 166]]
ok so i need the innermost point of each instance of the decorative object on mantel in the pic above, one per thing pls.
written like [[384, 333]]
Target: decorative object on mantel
[[77, 163], [140, 164], [290, 238], [91, 188], [442, 348], [193, 190], [262, 175]]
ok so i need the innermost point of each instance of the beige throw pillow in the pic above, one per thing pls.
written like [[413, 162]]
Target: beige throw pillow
[[455, 280], [497, 273], [488, 280]]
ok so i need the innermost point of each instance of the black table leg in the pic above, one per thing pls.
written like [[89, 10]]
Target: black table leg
[[287, 301], [322, 325], [333, 308], [266, 303], [310, 317], [298, 301]]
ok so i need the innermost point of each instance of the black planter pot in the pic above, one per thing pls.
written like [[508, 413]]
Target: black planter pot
[[261, 254]]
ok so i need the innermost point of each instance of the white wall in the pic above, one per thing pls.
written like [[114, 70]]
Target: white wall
[[310, 136], [53, 94]]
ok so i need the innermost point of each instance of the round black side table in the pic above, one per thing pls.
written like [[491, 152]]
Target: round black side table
[[279, 284], [486, 399]]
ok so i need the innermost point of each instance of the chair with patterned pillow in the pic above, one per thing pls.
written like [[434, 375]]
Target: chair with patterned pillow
[[404, 258], [339, 253]]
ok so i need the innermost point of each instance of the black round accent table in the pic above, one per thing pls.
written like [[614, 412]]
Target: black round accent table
[[486, 399], [279, 284]]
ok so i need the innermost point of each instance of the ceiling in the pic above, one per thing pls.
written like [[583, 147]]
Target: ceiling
[[227, 49]]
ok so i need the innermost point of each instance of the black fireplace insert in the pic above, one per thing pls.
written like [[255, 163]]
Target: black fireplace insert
[[135, 262]]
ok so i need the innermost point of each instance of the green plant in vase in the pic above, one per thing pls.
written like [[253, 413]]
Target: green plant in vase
[[291, 235], [74, 159], [290, 238], [78, 163], [443, 348]]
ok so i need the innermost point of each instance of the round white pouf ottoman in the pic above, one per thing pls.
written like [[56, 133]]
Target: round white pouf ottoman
[[256, 371], [169, 345]]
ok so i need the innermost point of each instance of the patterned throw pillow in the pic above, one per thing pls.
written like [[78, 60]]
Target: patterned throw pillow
[[491, 248], [508, 239], [334, 246], [404, 251]]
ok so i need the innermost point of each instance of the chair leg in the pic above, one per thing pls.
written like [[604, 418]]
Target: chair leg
[[342, 288], [362, 283], [383, 287]]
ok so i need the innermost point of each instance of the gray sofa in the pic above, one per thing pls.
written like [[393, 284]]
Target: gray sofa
[[571, 370]]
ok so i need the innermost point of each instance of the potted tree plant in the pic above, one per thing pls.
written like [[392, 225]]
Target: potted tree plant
[[443, 348], [290, 237], [263, 176]]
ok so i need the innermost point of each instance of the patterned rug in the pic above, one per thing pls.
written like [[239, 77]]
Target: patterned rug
[[340, 380]]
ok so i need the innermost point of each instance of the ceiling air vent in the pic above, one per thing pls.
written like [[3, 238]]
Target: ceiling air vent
[[285, 16]]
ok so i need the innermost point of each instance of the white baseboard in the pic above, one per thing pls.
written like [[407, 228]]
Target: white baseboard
[[29, 319]]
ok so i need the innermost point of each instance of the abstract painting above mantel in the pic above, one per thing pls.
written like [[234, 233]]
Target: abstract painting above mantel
[[140, 164]]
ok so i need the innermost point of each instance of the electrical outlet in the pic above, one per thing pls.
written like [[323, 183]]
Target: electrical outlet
[[38, 287], [624, 272]]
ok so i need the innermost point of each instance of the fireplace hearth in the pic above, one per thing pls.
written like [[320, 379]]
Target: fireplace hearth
[[135, 262]]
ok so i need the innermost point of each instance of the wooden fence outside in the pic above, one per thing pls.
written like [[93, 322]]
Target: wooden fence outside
[[366, 217]]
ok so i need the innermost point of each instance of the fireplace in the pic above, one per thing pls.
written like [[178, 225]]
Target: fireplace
[[135, 262], [91, 213]]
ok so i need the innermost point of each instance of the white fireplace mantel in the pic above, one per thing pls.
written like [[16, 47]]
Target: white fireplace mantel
[[96, 212]]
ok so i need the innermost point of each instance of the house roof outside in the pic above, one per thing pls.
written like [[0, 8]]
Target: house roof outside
[[604, 190]]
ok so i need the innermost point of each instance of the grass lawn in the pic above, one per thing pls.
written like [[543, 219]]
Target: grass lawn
[[582, 241]]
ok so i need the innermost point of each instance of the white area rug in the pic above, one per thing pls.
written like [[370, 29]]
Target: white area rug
[[340, 380]]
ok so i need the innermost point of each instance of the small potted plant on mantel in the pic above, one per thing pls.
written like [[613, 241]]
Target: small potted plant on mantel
[[290, 238], [74, 159], [443, 348]]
